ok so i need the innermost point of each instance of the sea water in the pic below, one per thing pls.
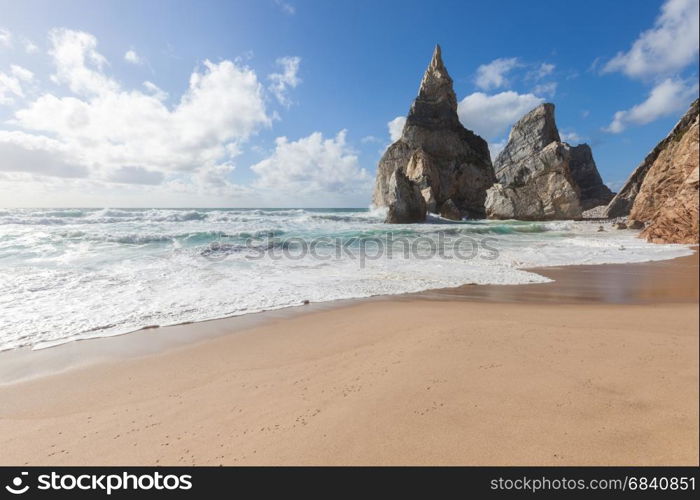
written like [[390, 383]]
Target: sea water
[[78, 273]]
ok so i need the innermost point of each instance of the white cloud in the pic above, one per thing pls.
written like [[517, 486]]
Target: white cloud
[[287, 78], [370, 139], [136, 175], [496, 147], [493, 74], [545, 69], [132, 57], [491, 115], [155, 91], [542, 70], [668, 97], [548, 89], [312, 166], [286, 7], [106, 128], [664, 49], [22, 152], [78, 64], [571, 137], [5, 38], [12, 83], [395, 127], [30, 47]]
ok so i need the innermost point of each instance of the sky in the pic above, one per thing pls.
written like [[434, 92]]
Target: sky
[[290, 103]]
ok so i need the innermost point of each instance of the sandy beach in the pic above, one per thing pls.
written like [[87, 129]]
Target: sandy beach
[[599, 367]]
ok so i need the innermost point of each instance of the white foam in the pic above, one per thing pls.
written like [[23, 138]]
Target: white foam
[[133, 268]]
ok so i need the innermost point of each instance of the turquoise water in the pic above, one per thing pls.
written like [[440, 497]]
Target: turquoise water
[[77, 273]]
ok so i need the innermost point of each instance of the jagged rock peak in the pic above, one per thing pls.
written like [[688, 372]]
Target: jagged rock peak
[[534, 178], [584, 173], [530, 134], [436, 84], [437, 155]]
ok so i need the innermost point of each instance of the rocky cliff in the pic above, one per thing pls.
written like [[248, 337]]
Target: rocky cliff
[[449, 165], [667, 197], [584, 173], [662, 155], [534, 178]]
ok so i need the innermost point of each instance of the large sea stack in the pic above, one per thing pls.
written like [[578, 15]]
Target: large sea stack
[[584, 172], [447, 164], [534, 178], [663, 190]]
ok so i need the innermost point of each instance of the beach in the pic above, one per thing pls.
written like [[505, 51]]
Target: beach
[[599, 367]]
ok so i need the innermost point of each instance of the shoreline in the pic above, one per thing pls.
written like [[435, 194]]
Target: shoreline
[[618, 283], [434, 378]]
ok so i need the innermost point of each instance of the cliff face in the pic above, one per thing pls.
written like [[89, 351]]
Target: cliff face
[[655, 196], [534, 179], [584, 173], [668, 194], [446, 162]]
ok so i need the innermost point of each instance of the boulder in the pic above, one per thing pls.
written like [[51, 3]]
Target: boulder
[[406, 203], [449, 210], [534, 179], [437, 154], [634, 224]]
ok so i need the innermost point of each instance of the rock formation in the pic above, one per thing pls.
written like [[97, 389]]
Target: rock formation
[[534, 179], [584, 173], [663, 158], [667, 192], [442, 159], [405, 201]]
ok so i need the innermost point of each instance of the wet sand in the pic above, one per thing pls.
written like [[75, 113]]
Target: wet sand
[[599, 367]]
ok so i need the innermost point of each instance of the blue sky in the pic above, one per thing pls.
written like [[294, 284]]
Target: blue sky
[[287, 103]]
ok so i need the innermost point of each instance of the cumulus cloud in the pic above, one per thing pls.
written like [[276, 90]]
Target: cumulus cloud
[[311, 165], [132, 57], [395, 127], [668, 97], [30, 47], [136, 175], [287, 78], [12, 84], [78, 64], [544, 69], [493, 75], [5, 38], [666, 48], [21, 152], [492, 115], [155, 90], [130, 135], [548, 89], [571, 137]]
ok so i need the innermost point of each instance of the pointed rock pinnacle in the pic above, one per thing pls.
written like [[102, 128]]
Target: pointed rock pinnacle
[[437, 84]]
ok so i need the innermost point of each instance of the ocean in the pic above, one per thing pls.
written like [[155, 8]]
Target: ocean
[[68, 274]]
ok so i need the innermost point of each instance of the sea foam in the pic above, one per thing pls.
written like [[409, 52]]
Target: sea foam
[[80, 273]]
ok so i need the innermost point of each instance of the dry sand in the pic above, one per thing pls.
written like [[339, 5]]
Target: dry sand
[[586, 370]]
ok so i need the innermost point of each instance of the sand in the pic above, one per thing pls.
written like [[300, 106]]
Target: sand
[[600, 373]]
